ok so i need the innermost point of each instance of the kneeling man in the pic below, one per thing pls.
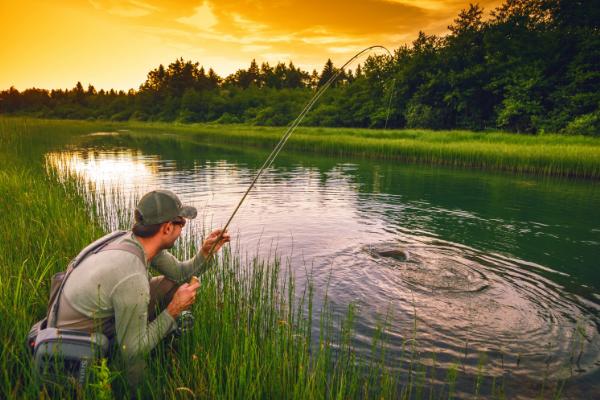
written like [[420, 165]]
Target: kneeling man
[[112, 291]]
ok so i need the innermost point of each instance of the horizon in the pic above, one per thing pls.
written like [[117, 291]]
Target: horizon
[[54, 47]]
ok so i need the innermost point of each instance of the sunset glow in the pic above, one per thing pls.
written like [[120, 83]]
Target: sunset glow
[[113, 44]]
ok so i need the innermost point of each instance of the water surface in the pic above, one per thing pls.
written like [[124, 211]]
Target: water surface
[[475, 266]]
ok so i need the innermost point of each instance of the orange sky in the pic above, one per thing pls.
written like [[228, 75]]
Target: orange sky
[[113, 44]]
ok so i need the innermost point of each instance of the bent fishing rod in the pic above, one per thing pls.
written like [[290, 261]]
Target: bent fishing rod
[[291, 128]]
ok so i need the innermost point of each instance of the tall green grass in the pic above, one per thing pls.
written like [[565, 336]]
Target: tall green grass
[[255, 337], [42, 225], [557, 155]]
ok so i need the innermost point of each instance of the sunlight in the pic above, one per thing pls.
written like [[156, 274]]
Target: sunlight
[[107, 169]]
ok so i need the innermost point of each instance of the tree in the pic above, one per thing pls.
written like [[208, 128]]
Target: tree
[[468, 98], [328, 72], [213, 79], [521, 108], [91, 90], [78, 93], [10, 100], [267, 76]]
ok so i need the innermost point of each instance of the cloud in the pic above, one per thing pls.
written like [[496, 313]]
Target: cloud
[[253, 48], [224, 34], [426, 4], [329, 39], [338, 23], [345, 49], [339, 16], [127, 8], [248, 25], [203, 18]]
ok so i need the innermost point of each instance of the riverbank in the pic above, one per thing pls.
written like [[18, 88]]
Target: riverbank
[[253, 337], [43, 225], [552, 155]]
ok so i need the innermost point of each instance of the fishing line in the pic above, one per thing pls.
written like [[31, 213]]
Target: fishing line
[[291, 128]]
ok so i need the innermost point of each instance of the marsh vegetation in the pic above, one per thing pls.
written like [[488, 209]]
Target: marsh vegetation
[[261, 334]]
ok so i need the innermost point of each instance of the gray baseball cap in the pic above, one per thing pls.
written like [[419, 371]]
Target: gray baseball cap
[[160, 206]]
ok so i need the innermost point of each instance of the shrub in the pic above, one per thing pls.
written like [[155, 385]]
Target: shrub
[[121, 116], [227, 118], [424, 116], [587, 124]]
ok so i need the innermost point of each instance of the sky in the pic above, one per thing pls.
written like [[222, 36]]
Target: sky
[[114, 44]]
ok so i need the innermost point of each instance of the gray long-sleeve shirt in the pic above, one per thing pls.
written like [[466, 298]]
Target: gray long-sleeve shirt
[[115, 283]]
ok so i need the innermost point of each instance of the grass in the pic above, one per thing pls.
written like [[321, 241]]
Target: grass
[[555, 155], [255, 336], [558, 155]]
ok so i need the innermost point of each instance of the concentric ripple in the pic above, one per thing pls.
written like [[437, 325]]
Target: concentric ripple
[[467, 303], [432, 271]]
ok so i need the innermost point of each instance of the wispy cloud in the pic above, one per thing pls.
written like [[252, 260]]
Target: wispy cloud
[[254, 48], [127, 8], [224, 34], [203, 18], [345, 49]]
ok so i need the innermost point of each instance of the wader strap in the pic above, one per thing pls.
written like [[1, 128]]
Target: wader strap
[[97, 246], [128, 247]]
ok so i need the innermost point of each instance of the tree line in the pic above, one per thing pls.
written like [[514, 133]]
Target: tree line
[[530, 66]]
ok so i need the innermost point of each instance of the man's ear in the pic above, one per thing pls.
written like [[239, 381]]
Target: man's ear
[[166, 228]]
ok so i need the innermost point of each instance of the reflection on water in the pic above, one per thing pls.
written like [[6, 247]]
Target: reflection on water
[[469, 264], [122, 169]]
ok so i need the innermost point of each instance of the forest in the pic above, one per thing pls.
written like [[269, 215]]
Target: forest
[[528, 66]]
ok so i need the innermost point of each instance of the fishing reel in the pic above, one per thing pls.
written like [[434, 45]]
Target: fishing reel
[[185, 323]]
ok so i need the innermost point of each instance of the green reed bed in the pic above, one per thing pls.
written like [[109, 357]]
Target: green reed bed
[[255, 337], [546, 155], [558, 155]]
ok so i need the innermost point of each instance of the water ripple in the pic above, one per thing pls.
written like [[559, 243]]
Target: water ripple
[[467, 301]]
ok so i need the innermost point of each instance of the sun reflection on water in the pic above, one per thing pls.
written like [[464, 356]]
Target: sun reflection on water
[[126, 168]]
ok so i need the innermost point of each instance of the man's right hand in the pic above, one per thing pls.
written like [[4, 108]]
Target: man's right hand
[[183, 299]]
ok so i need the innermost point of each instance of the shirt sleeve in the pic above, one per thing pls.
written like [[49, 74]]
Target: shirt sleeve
[[179, 271], [135, 336]]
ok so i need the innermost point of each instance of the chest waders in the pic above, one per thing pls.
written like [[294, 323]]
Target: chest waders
[[63, 355]]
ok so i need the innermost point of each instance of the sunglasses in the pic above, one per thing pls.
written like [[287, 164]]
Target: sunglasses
[[179, 221]]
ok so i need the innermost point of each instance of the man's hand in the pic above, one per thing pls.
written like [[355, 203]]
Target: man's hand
[[183, 299], [210, 241]]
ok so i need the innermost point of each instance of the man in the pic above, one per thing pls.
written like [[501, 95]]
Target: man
[[111, 291]]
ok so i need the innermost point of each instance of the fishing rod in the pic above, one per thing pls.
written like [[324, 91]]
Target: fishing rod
[[291, 128]]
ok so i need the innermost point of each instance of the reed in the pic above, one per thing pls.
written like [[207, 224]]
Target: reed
[[549, 154], [256, 336], [556, 155]]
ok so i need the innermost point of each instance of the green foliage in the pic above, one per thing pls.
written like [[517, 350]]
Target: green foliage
[[588, 124], [256, 339], [529, 66], [521, 108], [227, 118], [422, 115], [100, 381]]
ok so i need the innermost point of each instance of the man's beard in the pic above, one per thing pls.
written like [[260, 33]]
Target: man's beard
[[169, 245]]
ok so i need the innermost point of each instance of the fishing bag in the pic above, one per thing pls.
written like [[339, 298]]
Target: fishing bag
[[66, 353]]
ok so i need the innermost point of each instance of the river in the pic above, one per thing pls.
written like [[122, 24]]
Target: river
[[487, 271]]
